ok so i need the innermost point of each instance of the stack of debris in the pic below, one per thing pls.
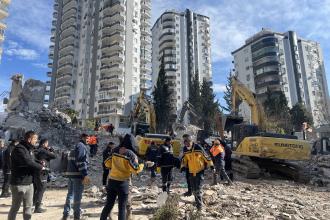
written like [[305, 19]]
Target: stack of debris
[[321, 170]]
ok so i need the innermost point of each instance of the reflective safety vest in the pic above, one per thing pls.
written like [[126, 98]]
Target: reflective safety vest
[[92, 140], [215, 150]]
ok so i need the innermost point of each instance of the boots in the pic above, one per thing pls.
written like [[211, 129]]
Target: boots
[[39, 209], [214, 179]]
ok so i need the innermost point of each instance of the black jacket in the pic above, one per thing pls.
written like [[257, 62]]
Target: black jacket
[[6, 159], [23, 165], [166, 158], [42, 154], [106, 154], [151, 153]]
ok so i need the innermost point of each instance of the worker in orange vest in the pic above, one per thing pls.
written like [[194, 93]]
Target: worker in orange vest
[[218, 154], [92, 142]]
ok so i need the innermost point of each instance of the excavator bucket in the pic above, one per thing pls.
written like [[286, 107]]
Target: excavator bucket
[[232, 120]]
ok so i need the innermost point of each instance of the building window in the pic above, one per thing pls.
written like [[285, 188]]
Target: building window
[[286, 89], [248, 77], [246, 59]]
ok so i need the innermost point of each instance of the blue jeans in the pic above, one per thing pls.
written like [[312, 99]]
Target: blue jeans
[[75, 191]]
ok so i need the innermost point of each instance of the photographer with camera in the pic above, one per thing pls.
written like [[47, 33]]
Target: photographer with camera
[[43, 155]]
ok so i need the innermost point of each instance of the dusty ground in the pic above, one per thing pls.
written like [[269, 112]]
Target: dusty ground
[[247, 199]]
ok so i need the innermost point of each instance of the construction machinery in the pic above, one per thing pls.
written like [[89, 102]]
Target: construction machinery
[[187, 107], [143, 106], [255, 150]]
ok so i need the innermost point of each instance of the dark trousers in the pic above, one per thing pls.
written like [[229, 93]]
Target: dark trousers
[[21, 193], [39, 185], [93, 150], [153, 171], [188, 181], [6, 184], [220, 169], [196, 185], [228, 169], [167, 178], [116, 188], [105, 176]]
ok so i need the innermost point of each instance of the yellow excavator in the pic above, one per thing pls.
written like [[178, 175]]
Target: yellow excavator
[[255, 150], [145, 131], [145, 106]]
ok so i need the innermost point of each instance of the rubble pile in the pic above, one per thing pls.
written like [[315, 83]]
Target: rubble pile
[[321, 170], [46, 123]]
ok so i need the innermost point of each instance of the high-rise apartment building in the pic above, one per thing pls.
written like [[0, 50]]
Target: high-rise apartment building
[[3, 14], [271, 61], [100, 56], [182, 41]]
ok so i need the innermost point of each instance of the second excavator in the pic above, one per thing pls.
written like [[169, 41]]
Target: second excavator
[[258, 151]]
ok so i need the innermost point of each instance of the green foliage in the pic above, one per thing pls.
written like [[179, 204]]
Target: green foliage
[[71, 113], [300, 115], [209, 106], [162, 96], [169, 211], [90, 123], [227, 95], [195, 98], [277, 112]]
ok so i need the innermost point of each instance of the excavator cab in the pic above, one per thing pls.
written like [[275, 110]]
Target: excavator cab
[[241, 131]]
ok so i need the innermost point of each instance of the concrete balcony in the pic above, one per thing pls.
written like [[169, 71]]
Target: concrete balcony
[[66, 49], [113, 58], [69, 30], [110, 8], [115, 37], [52, 39], [114, 27], [167, 43], [111, 78], [70, 12], [63, 59], [146, 5], [111, 48], [50, 65], [67, 39], [67, 67], [68, 22], [69, 5], [109, 19], [61, 76], [145, 77], [115, 101], [111, 89], [146, 14], [112, 68], [63, 86], [109, 112], [49, 74]]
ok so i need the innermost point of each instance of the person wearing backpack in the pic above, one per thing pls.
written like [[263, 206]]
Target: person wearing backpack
[[77, 177]]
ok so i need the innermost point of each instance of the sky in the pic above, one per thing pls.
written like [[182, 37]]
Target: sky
[[232, 22]]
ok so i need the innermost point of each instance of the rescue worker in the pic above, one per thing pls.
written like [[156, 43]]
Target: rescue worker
[[43, 155], [92, 141], [106, 154], [166, 162], [185, 149], [7, 168], [196, 160], [122, 163], [151, 156], [218, 155], [228, 160]]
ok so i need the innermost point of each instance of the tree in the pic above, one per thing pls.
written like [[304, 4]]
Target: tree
[[299, 115], [195, 98], [209, 106], [162, 96], [227, 95], [71, 113]]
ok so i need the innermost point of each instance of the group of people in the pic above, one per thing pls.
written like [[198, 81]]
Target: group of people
[[28, 170], [25, 168]]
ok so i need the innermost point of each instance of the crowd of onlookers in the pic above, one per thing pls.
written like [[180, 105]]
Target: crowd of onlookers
[[26, 171]]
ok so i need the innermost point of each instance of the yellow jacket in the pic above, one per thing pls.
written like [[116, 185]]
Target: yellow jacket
[[122, 165], [196, 160]]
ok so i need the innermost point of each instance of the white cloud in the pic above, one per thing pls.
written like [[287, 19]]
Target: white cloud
[[219, 87], [14, 49], [30, 21], [40, 65]]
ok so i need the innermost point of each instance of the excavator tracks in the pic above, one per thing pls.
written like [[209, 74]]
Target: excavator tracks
[[254, 168]]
